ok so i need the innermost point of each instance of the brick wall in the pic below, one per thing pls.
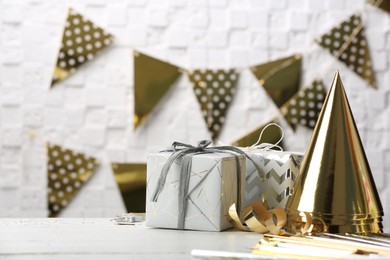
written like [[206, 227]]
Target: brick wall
[[92, 111]]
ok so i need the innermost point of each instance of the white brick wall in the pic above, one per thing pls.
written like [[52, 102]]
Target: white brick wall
[[92, 111]]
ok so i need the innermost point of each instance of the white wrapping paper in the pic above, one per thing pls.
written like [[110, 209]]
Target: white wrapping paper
[[208, 203]]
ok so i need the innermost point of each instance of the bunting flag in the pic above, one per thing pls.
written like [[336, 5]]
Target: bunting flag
[[131, 179], [382, 4], [214, 90], [82, 40], [67, 171], [152, 80], [305, 107], [280, 78], [252, 137], [348, 43]]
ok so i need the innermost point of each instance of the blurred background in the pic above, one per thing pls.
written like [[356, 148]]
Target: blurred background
[[91, 112]]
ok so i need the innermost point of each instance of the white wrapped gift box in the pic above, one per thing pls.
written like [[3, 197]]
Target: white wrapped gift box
[[212, 190]]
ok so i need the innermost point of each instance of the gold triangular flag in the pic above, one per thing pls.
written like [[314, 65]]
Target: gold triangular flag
[[249, 139], [81, 41], [214, 90], [305, 107], [131, 179], [280, 78], [335, 180], [382, 4], [67, 171], [152, 80], [348, 43]]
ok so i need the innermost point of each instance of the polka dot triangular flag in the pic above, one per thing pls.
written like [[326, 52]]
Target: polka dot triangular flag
[[305, 107], [67, 171], [348, 43], [214, 90], [152, 80], [131, 180], [280, 78], [82, 40]]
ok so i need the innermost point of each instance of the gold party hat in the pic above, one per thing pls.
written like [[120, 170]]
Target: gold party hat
[[335, 177]]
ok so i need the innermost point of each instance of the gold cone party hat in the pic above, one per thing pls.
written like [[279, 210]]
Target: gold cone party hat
[[335, 186]]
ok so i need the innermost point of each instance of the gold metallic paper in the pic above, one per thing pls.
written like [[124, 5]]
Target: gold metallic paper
[[131, 179], [153, 78], [335, 185], [280, 78], [326, 246], [258, 218], [382, 4], [67, 171], [214, 90], [82, 40], [348, 43], [305, 107], [252, 137]]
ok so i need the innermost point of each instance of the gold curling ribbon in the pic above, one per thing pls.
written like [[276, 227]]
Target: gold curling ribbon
[[297, 226], [258, 218]]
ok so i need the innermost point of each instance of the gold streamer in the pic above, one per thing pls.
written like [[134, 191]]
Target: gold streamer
[[348, 43], [258, 218], [131, 179], [214, 90], [152, 80], [67, 171], [335, 185], [280, 78], [82, 40]]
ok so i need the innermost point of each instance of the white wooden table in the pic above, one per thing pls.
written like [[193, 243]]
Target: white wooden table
[[95, 238]]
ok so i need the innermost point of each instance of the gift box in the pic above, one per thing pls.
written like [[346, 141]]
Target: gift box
[[215, 180], [275, 183]]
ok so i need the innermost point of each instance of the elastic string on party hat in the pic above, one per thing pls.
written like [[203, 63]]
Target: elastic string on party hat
[[268, 146]]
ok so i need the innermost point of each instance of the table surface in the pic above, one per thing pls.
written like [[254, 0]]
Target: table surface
[[97, 238]]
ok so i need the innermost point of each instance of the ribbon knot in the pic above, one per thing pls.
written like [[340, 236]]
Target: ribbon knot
[[177, 146], [204, 143]]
